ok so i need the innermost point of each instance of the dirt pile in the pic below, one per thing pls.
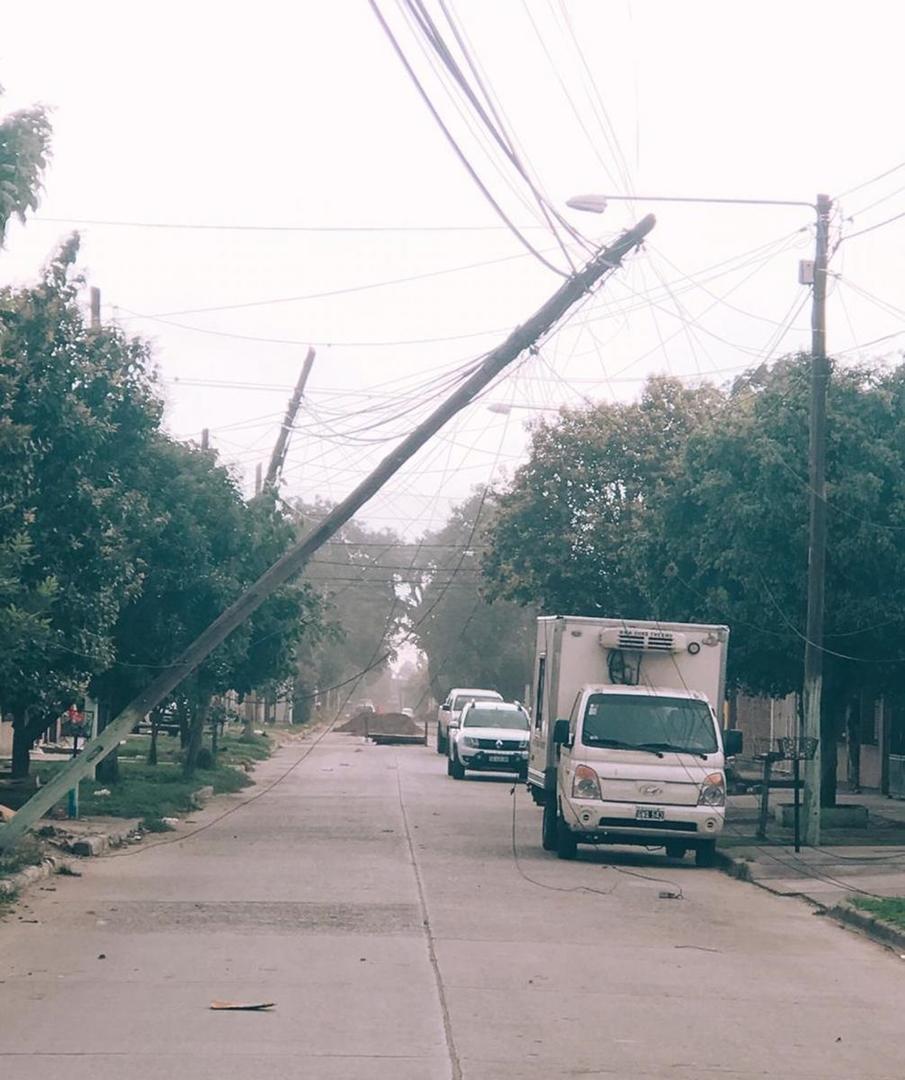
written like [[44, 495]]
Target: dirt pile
[[365, 723]]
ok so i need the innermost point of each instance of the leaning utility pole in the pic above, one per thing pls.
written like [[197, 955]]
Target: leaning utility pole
[[278, 457], [813, 651], [295, 559]]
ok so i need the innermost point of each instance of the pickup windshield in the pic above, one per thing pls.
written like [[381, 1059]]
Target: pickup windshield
[[462, 700], [649, 722]]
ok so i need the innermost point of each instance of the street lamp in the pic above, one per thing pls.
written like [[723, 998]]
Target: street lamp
[[820, 377]]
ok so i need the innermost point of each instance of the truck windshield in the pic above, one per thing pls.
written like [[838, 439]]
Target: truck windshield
[[649, 722], [496, 718]]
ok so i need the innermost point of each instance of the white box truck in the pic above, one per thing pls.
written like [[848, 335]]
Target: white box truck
[[627, 746]]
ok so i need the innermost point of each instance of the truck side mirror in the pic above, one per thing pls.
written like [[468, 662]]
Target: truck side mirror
[[733, 741], [445, 707], [561, 733], [453, 725]]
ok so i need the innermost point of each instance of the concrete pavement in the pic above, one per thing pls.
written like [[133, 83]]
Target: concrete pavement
[[381, 905]]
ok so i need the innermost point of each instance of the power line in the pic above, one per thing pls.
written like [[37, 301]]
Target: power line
[[871, 228], [454, 144], [222, 227], [867, 183], [339, 292]]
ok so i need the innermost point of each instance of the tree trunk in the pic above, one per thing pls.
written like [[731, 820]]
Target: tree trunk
[[23, 740], [248, 727], [152, 749], [107, 771], [853, 733], [215, 731], [830, 727], [196, 734]]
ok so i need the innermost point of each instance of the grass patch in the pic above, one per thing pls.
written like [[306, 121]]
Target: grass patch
[[28, 852], [152, 792], [155, 824], [8, 898], [245, 749], [890, 909]]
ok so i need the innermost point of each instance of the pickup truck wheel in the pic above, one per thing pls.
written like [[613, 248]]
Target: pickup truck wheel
[[456, 769], [566, 844], [548, 828], [448, 766], [705, 853], [442, 745]]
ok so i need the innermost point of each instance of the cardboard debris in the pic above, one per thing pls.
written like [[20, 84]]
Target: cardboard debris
[[236, 1006]]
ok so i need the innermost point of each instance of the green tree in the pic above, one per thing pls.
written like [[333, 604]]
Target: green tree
[[364, 577], [734, 535], [75, 403], [468, 639], [198, 544], [570, 531], [24, 150], [692, 505]]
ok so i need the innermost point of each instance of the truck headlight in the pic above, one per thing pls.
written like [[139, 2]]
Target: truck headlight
[[713, 791], [470, 740], [585, 783]]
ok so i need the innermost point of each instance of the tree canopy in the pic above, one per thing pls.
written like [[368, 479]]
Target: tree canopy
[[692, 505], [468, 639], [24, 151]]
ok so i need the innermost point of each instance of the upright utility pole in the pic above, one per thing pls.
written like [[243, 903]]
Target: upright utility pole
[[278, 457], [813, 652], [95, 295], [296, 558]]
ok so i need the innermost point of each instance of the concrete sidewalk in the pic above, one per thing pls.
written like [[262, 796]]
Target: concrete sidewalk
[[849, 863]]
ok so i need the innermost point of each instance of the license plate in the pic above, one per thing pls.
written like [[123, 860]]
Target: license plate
[[498, 757], [647, 813]]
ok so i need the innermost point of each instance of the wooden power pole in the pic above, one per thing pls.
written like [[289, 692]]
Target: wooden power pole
[[278, 457], [295, 559], [813, 652]]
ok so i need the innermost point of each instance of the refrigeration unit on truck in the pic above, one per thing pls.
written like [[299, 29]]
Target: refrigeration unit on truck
[[626, 744]]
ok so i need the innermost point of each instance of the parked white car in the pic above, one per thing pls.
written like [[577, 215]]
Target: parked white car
[[491, 736], [456, 700]]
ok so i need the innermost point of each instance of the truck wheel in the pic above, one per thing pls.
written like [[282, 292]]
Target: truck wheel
[[448, 765], [442, 745], [676, 851], [705, 853], [566, 844], [456, 769], [548, 828]]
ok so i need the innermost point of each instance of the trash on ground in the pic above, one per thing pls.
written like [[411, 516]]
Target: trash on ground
[[237, 1006]]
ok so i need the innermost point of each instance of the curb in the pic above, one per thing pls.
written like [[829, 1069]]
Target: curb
[[737, 868], [879, 929], [98, 843], [13, 885]]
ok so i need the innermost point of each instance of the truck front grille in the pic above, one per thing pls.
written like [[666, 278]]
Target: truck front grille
[[634, 823]]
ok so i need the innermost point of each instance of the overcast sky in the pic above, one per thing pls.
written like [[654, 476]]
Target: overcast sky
[[300, 119]]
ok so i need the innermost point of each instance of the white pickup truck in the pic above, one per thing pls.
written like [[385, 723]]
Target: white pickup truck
[[626, 744]]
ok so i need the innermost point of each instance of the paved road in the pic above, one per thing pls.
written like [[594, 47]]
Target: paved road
[[378, 903]]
